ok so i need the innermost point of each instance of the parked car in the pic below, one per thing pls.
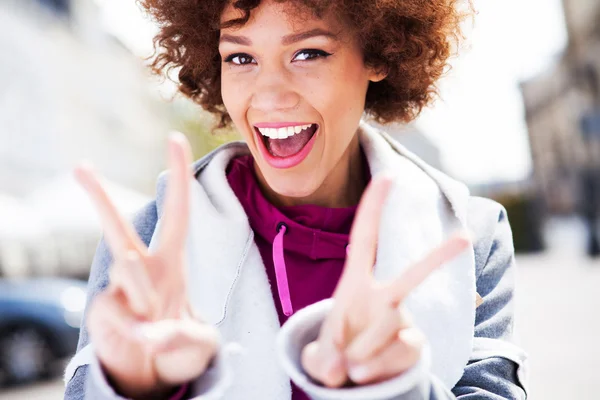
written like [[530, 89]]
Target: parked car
[[39, 326]]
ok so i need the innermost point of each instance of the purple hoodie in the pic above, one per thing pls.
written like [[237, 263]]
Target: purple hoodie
[[303, 247]]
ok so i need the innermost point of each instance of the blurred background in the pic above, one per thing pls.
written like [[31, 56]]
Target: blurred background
[[518, 121]]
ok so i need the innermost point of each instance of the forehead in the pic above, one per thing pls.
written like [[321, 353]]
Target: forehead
[[270, 12]]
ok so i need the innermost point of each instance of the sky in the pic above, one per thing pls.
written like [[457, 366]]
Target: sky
[[478, 123]]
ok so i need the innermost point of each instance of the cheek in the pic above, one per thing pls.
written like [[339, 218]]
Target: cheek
[[230, 101], [235, 101], [341, 100], [351, 86]]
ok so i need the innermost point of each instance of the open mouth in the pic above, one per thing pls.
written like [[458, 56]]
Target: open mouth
[[287, 141], [288, 145]]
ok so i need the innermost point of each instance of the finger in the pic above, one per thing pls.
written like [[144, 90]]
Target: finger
[[395, 359], [119, 233], [377, 336], [323, 365], [131, 276], [334, 329], [174, 228], [171, 334], [364, 234], [322, 359], [182, 349], [417, 273], [333, 336], [109, 318]]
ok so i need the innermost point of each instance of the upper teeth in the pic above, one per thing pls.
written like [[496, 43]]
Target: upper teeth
[[283, 133]]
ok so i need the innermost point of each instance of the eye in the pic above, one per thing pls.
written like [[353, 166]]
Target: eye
[[239, 59], [309, 54]]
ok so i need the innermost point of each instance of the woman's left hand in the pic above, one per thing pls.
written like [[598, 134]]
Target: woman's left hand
[[368, 336]]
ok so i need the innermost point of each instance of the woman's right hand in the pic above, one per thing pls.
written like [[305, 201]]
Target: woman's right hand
[[144, 331]]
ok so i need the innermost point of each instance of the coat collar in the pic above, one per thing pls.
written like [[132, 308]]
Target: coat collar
[[423, 209], [229, 287]]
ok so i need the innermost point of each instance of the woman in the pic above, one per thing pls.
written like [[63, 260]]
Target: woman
[[258, 249]]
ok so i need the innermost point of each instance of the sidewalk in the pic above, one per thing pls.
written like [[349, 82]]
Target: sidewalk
[[558, 322]]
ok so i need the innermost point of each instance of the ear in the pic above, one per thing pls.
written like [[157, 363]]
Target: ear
[[377, 74]]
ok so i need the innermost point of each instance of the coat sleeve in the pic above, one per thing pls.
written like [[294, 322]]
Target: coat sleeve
[[497, 367], [77, 370], [83, 377]]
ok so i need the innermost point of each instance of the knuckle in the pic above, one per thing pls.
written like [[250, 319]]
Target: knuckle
[[308, 360], [413, 354], [412, 343], [357, 354]]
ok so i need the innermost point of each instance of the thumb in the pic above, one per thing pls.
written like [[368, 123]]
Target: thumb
[[182, 349], [169, 334], [323, 359], [324, 363]]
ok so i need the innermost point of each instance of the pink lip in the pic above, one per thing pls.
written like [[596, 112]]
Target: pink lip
[[285, 162], [280, 124]]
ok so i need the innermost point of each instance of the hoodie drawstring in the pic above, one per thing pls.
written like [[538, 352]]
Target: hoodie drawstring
[[280, 271]]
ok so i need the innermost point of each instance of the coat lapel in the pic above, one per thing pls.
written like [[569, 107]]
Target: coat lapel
[[418, 217], [228, 283]]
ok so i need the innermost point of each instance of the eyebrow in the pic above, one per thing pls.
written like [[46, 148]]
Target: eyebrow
[[287, 40]]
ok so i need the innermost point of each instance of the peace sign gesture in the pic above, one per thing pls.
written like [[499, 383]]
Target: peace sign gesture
[[368, 336], [142, 326]]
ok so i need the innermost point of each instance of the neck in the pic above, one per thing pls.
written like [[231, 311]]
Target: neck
[[343, 187]]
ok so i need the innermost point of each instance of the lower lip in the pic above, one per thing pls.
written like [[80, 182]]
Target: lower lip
[[285, 162]]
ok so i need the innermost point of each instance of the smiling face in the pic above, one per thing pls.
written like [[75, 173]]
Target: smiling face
[[295, 88]]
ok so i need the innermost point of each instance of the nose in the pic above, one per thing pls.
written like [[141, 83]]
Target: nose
[[273, 91]]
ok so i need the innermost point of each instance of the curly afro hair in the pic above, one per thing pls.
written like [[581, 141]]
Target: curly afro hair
[[411, 40]]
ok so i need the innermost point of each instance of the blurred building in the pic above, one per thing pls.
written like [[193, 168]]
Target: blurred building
[[68, 91], [557, 102]]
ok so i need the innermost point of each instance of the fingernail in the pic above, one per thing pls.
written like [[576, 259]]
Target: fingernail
[[359, 373]]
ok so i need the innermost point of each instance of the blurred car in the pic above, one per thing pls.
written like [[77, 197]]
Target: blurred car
[[39, 326]]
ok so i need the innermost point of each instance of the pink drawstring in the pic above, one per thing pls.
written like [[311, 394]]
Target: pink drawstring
[[281, 272]]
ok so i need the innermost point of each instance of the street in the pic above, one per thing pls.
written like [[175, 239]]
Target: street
[[558, 322], [43, 391]]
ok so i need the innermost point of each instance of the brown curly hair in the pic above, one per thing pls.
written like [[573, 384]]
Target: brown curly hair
[[409, 39]]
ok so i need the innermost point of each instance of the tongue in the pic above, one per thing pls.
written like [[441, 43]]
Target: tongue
[[290, 146]]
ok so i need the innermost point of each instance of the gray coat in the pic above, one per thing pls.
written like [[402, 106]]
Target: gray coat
[[470, 350]]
